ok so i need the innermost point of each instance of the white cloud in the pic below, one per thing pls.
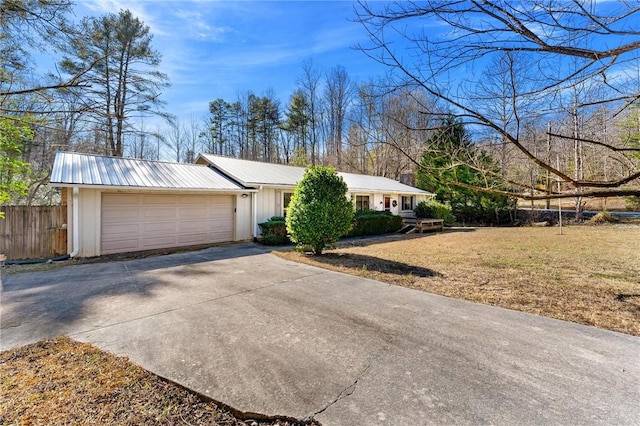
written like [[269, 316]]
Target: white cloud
[[198, 24], [137, 8]]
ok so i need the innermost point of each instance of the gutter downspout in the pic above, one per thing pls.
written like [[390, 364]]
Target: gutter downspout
[[76, 225]]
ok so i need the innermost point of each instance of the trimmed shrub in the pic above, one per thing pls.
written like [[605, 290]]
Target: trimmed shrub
[[319, 212], [371, 222], [274, 232], [433, 209]]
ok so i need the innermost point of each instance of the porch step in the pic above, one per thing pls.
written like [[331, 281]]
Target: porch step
[[422, 225], [407, 229]]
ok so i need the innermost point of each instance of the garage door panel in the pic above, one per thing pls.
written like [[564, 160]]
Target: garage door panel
[[190, 239], [116, 231], [120, 245], [159, 199], [120, 199], [217, 229], [133, 222], [159, 241], [159, 227], [221, 236], [192, 227], [121, 214], [160, 213], [193, 212], [193, 199]]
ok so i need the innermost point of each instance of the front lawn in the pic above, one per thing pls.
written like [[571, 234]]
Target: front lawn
[[589, 275]]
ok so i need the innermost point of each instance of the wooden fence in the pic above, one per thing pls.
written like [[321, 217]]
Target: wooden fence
[[33, 232]]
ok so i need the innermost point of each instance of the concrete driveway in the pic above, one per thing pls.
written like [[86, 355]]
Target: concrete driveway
[[265, 335]]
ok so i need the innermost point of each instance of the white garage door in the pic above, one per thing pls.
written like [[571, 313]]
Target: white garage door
[[132, 222]]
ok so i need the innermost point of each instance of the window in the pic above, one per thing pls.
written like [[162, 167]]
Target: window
[[286, 199], [407, 203], [362, 202]]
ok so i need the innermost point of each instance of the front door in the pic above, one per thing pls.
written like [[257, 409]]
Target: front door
[[387, 203]]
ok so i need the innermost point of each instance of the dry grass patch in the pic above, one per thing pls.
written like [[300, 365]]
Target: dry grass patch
[[589, 275], [61, 381]]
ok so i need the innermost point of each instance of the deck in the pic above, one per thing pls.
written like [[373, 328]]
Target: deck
[[422, 225]]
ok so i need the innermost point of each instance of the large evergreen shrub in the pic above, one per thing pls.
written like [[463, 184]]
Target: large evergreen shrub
[[433, 209], [445, 164], [319, 212]]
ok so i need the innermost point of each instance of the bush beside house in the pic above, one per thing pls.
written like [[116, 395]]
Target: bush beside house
[[433, 209], [371, 222], [274, 231]]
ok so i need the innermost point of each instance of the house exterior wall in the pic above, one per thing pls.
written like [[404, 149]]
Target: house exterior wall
[[90, 215], [376, 201], [268, 203], [417, 200], [243, 218], [69, 194]]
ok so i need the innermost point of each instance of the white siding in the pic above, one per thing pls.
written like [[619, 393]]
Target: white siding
[[243, 218], [89, 202], [267, 206], [377, 202]]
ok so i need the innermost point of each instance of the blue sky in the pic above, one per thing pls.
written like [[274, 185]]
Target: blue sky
[[218, 49]]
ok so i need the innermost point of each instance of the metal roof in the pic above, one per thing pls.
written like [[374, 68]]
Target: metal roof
[[73, 169], [254, 173]]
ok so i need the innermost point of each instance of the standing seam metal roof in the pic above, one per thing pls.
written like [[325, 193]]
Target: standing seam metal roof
[[254, 173], [84, 169]]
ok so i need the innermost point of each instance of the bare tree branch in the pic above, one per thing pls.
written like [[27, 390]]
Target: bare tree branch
[[567, 46]]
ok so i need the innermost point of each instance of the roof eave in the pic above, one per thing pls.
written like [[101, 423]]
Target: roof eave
[[390, 191], [148, 188], [227, 173]]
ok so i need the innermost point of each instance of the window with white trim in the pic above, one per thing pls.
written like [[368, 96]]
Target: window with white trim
[[362, 202], [407, 202]]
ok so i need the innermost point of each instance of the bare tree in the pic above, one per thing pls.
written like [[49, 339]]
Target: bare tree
[[566, 44], [26, 25], [124, 81], [309, 84], [176, 140], [338, 95]]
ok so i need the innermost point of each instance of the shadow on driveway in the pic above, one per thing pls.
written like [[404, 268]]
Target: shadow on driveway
[[43, 304]]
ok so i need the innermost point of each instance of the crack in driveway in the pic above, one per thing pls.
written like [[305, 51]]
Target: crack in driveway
[[348, 391]]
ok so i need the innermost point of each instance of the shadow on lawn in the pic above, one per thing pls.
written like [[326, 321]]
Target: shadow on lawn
[[371, 263], [367, 240]]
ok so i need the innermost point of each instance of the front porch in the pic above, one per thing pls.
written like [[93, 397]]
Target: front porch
[[413, 224]]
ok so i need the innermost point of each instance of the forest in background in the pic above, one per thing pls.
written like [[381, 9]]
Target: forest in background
[[536, 103]]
